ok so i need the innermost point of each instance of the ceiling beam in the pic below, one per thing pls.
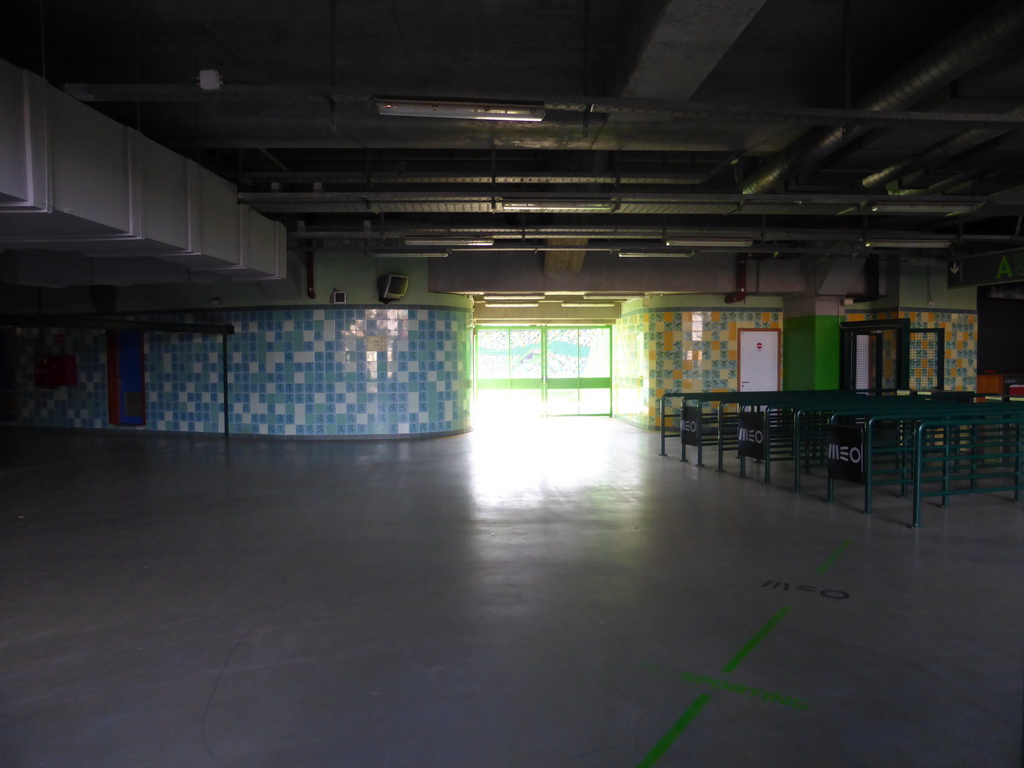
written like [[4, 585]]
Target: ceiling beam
[[651, 110], [686, 42], [995, 30]]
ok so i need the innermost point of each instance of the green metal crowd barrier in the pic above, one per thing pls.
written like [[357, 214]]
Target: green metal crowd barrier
[[665, 415], [706, 421], [770, 422], [811, 421], [993, 451], [957, 441], [882, 439]]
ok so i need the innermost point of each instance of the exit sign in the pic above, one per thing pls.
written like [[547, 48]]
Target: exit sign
[[990, 269]]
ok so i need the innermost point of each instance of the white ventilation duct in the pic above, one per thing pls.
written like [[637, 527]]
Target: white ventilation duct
[[73, 180]]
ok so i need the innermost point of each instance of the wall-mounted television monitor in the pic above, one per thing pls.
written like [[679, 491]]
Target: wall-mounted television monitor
[[392, 287]]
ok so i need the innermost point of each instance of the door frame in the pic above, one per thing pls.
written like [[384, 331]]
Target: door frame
[[544, 382], [848, 333], [778, 350], [115, 397], [8, 373]]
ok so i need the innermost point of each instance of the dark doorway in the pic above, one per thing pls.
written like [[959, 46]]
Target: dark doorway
[[875, 355], [126, 377], [8, 374]]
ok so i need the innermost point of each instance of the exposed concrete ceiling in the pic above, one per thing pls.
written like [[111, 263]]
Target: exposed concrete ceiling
[[686, 41], [781, 121]]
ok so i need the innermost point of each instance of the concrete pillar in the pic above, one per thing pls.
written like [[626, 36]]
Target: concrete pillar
[[810, 342]]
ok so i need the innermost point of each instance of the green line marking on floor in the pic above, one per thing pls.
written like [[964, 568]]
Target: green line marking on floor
[[769, 697], [680, 725], [757, 638], [669, 738], [834, 556]]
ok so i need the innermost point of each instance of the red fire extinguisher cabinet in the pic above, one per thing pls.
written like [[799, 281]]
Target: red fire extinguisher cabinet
[[56, 371]]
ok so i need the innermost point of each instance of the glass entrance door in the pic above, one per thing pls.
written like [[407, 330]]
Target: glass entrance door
[[543, 372], [509, 371], [875, 355], [579, 371]]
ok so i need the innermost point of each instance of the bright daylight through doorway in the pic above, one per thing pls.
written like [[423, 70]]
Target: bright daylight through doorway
[[531, 372]]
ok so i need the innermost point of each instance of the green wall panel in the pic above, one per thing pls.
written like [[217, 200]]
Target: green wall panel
[[810, 352]]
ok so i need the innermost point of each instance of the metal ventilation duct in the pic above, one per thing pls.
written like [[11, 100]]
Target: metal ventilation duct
[[939, 153], [75, 181], [975, 43]]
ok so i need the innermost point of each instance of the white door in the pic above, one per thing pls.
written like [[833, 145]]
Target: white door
[[759, 360]]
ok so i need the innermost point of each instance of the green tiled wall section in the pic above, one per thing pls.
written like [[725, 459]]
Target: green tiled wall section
[[811, 352]]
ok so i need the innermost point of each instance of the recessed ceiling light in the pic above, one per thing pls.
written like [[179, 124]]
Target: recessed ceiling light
[[480, 242], [514, 297], [411, 255], [462, 110], [655, 254], [908, 243], [558, 206], [709, 242], [918, 206]]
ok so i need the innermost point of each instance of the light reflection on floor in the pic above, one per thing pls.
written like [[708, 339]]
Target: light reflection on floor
[[520, 462]]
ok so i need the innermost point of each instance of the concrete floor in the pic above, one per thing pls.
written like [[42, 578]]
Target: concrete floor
[[545, 594]]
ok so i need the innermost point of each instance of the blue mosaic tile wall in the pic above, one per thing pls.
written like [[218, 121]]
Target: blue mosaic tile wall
[[184, 389], [292, 372], [83, 405]]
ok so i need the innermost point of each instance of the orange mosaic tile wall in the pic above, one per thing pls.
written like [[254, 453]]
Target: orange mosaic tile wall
[[678, 350], [958, 357]]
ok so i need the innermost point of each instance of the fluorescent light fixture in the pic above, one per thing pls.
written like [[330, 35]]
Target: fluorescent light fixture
[[455, 241], [514, 297], [913, 206], [582, 304], [709, 242], [462, 110], [558, 206], [512, 304], [655, 254], [612, 296], [411, 255], [898, 243]]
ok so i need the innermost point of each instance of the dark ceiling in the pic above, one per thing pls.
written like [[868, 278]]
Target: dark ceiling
[[779, 121]]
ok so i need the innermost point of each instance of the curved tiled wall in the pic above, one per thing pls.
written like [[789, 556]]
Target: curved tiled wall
[[303, 372]]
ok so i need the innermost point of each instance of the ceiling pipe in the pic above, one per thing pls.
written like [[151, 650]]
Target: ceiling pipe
[[601, 239], [741, 281], [428, 178], [937, 154], [651, 109], [1011, 174], [618, 202], [975, 43], [310, 282]]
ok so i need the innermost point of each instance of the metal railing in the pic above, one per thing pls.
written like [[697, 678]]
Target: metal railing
[[664, 416], [988, 451]]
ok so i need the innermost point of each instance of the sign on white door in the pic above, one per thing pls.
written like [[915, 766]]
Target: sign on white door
[[759, 360]]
